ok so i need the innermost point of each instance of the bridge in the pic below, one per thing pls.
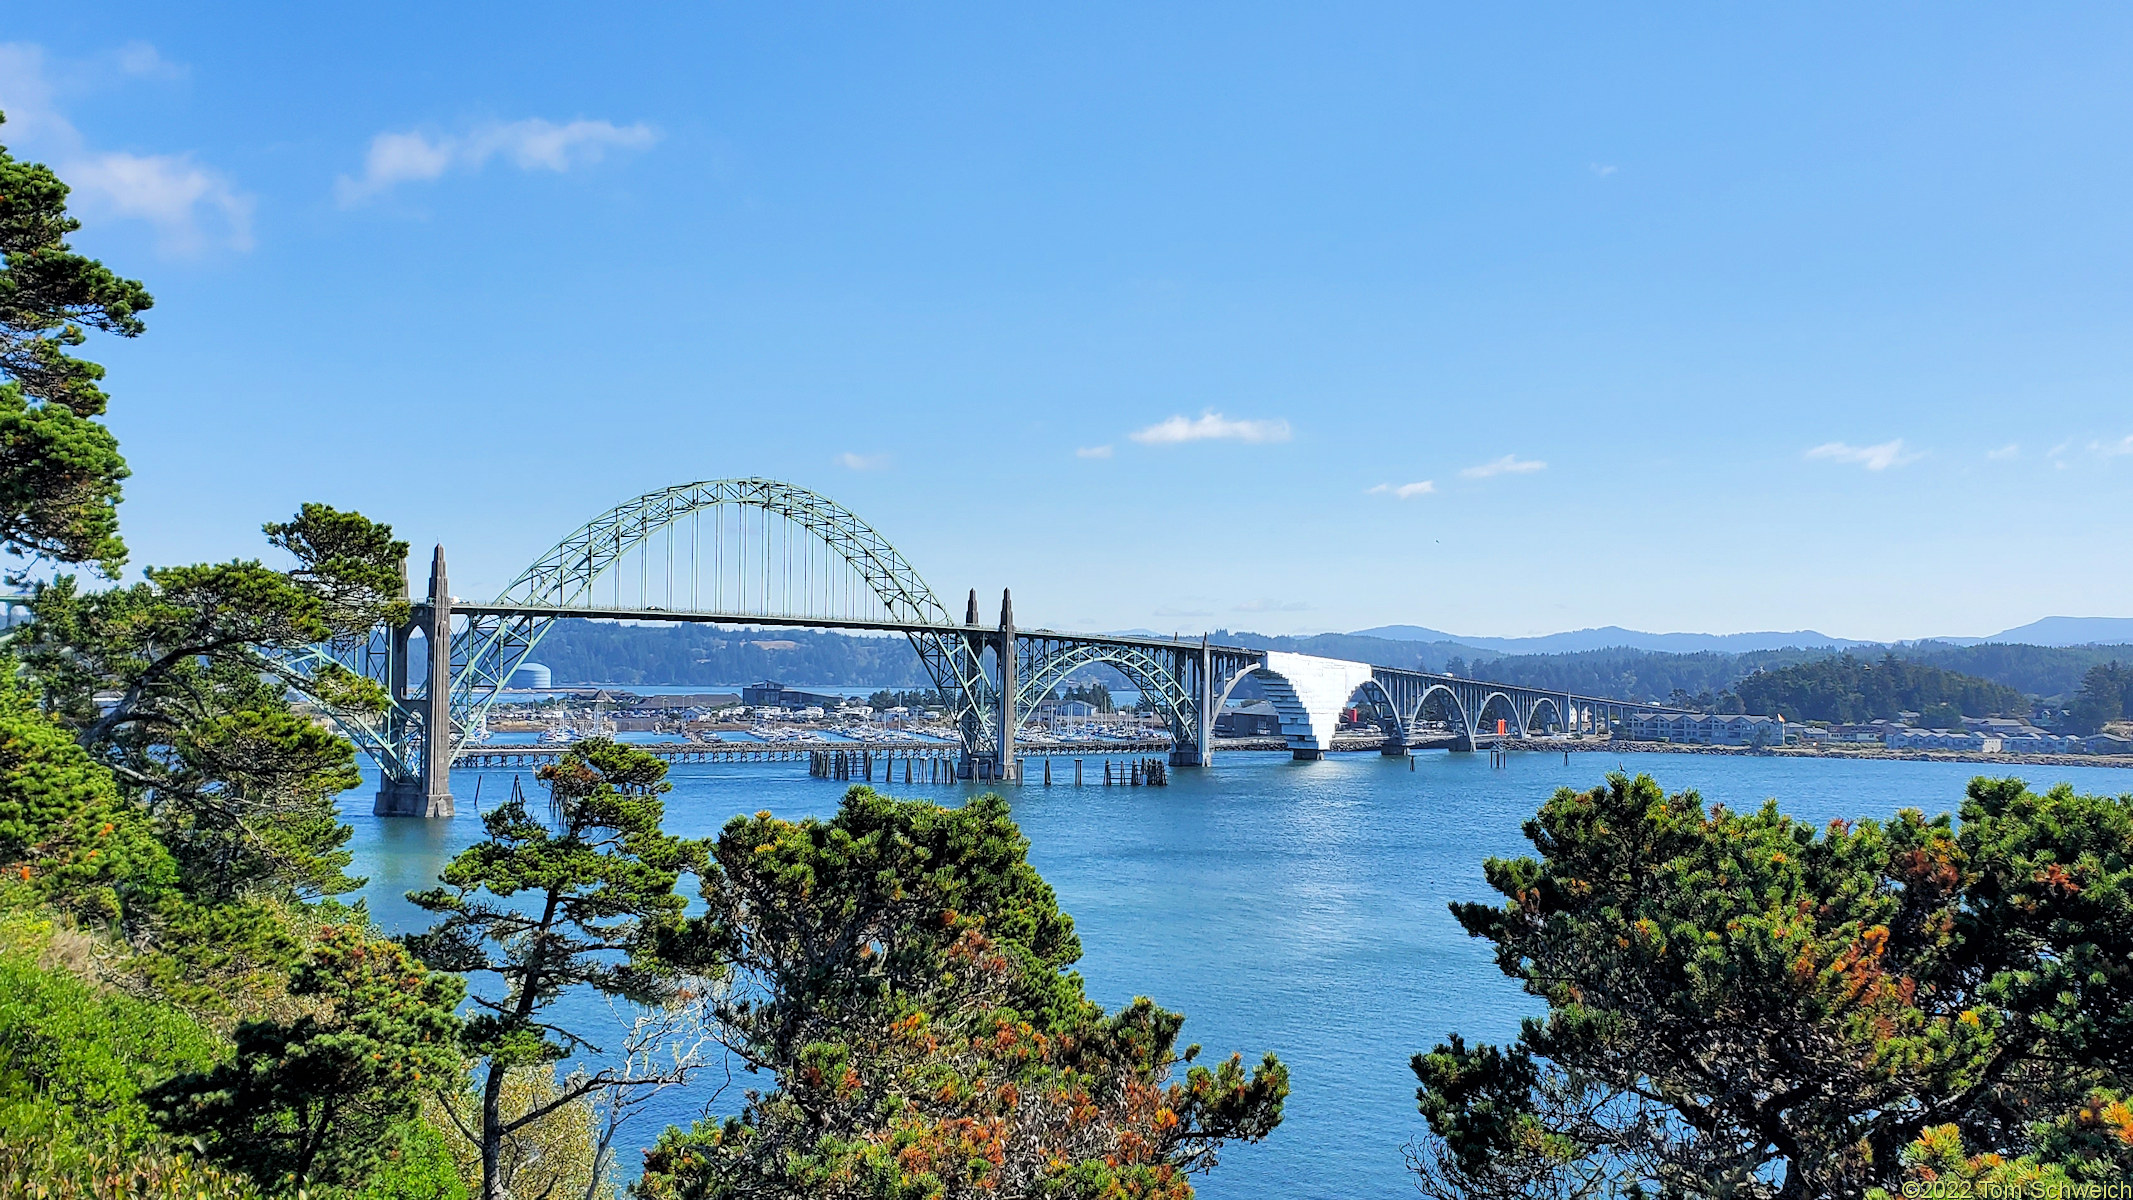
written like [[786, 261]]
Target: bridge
[[758, 552]]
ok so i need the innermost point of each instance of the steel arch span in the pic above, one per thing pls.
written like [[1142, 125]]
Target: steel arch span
[[1046, 664], [780, 554], [490, 647]]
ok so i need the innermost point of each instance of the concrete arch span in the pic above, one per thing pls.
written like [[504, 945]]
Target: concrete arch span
[[1308, 694], [1555, 707], [1475, 709]]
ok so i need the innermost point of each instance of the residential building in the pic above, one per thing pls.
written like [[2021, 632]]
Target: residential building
[[1941, 739], [1708, 730]]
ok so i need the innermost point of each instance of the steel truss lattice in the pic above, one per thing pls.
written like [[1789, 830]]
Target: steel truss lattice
[[487, 648], [1043, 663]]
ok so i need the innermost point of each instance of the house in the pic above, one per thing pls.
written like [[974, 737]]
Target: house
[[1941, 739], [1252, 718], [1708, 730]]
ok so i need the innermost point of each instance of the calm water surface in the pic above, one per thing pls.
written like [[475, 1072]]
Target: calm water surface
[[1284, 906]]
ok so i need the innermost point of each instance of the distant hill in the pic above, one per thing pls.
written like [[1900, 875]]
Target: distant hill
[[579, 652], [1406, 653], [1848, 688], [2047, 671], [2069, 631], [1611, 636], [2051, 631], [583, 652], [1649, 676]]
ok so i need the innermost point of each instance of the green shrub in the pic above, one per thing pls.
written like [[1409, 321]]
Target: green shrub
[[38, 1170], [64, 828], [420, 1168], [78, 1057]]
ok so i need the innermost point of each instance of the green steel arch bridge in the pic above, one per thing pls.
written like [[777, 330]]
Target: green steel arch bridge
[[758, 552]]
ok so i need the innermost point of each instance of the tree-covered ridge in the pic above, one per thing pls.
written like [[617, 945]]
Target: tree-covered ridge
[[1847, 688], [1628, 674], [2106, 696], [693, 655], [2046, 671], [1741, 1005], [587, 652]]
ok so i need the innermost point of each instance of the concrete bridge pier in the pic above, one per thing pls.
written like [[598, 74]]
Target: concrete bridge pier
[[1200, 751], [430, 793], [1005, 738]]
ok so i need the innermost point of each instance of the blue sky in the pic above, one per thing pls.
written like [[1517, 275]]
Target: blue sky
[[1498, 320]]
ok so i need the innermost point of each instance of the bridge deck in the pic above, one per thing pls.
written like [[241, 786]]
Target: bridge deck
[[817, 621], [706, 752]]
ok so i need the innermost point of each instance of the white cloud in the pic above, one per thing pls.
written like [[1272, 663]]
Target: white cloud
[[1603, 170], [191, 206], [1271, 606], [1404, 491], [862, 462], [143, 61], [1093, 452], [1509, 464], [2123, 445], [1874, 458], [1209, 426], [2010, 450], [529, 145], [26, 96]]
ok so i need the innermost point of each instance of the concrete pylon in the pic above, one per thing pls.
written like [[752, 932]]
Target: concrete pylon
[[431, 794], [1007, 684], [1200, 751]]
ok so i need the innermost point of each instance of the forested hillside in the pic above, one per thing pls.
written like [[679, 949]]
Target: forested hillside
[[1625, 674], [1385, 652], [2037, 670], [1849, 688], [580, 652]]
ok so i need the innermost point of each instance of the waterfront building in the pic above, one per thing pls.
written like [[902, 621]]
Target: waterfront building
[[1940, 739], [1708, 730], [1252, 718], [772, 694], [710, 701]]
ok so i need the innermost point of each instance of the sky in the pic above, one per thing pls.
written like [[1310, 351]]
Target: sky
[[1495, 319]]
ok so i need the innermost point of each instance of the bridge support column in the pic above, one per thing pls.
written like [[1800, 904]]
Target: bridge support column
[[1200, 752], [1006, 762], [430, 794]]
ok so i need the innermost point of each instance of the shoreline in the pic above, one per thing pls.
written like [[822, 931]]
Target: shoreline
[[1856, 752]]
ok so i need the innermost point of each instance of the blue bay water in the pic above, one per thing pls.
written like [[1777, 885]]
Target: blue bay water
[[1284, 906]]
